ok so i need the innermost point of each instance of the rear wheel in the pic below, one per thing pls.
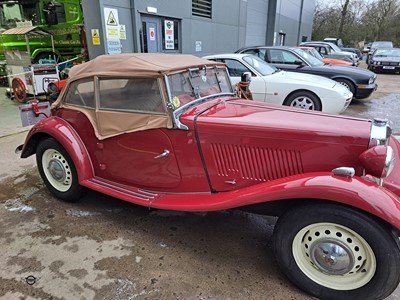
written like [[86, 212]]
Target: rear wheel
[[58, 170], [336, 252], [303, 99]]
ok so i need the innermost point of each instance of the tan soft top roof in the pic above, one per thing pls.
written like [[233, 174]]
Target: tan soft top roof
[[150, 64]]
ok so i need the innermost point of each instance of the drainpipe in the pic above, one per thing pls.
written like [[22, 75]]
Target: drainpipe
[[300, 17]]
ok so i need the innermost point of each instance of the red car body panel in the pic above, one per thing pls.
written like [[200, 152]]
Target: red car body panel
[[63, 132], [231, 176]]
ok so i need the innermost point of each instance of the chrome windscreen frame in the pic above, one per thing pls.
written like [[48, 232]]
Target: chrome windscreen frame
[[176, 113]]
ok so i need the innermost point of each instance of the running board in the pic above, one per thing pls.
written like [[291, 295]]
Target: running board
[[121, 191]]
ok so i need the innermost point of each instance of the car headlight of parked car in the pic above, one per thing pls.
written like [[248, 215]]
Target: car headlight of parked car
[[379, 159], [376, 63], [372, 79]]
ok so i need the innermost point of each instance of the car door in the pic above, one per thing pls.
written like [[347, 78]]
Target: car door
[[257, 84], [283, 59], [136, 151]]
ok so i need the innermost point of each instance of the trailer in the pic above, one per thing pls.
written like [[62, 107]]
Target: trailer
[[27, 79]]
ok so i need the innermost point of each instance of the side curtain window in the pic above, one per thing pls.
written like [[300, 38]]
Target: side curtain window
[[130, 94], [81, 93]]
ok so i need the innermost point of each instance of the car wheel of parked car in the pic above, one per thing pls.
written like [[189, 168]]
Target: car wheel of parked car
[[303, 99], [337, 252], [57, 170], [348, 84]]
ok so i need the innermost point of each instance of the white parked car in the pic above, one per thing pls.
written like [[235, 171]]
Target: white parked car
[[269, 84]]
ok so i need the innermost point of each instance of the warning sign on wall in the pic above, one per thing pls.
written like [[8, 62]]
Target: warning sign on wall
[[112, 22], [122, 32], [95, 37]]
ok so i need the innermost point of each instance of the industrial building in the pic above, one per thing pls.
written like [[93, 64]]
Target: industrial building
[[198, 27]]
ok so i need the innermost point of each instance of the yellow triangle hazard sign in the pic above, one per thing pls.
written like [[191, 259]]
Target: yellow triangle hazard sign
[[111, 20], [95, 34]]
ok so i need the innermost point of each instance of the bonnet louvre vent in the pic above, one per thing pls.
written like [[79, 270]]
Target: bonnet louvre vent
[[256, 163]]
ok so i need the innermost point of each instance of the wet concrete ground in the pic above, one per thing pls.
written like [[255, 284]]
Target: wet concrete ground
[[104, 248]]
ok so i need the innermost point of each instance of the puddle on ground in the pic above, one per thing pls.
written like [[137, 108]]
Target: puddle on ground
[[386, 107]]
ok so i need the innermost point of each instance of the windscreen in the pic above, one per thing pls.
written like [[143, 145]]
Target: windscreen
[[193, 84], [12, 13], [308, 57]]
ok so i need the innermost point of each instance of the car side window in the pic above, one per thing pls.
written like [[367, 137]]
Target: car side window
[[131, 94], [289, 58], [235, 68], [322, 50], [257, 52], [81, 93], [276, 56]]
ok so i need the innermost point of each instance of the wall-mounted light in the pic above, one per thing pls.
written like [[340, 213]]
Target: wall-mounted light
[[151, 10]]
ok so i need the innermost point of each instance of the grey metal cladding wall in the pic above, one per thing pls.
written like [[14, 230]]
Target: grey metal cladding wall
[[256, 25], [287, 19], [225, 32], [307, 18]]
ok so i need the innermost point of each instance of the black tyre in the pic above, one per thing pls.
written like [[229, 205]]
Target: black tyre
[[58, 170], [336, 252], [303, 99], [348, 84]]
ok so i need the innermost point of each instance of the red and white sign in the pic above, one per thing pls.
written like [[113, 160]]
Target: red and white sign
[[169, 34], [152, 34]]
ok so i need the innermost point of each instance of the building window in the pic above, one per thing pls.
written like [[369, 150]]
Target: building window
[[201, 8], [282, 38]]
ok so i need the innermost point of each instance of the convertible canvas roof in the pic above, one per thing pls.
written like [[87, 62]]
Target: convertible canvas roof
[[146, 64], [112, 122]]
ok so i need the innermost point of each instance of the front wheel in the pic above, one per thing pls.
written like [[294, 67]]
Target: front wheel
[[57, 170], [347, 84], [303, 99], [336, 252]]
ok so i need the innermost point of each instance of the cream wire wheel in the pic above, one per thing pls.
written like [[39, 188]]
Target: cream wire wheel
[[57, 170], [334, 256]]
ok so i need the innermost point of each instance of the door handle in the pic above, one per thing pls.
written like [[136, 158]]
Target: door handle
[[164, 154]]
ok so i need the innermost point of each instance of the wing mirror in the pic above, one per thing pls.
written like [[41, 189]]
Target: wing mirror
[[298, 62], [246, 77]]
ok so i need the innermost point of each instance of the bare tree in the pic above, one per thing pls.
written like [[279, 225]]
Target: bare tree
[[345, 8]]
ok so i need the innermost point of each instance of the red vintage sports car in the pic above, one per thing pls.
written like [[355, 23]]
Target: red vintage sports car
[[167, 132]]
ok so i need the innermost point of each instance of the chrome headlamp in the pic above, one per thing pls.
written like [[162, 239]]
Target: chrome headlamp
[[378, 161], [380, 132]]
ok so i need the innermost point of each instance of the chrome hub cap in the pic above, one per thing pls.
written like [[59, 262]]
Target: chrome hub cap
[[57, 170], [334, 256]]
